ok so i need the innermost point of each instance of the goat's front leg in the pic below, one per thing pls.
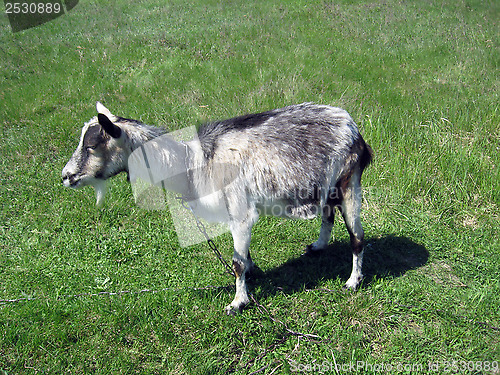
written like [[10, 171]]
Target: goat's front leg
[[241, 264]]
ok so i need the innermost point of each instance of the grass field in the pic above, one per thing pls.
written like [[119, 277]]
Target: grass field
[[421, 79]]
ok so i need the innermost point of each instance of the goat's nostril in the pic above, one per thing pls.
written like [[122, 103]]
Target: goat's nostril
[[68, 180]]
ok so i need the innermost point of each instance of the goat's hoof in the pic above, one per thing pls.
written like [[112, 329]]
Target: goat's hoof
[[236, 306], [347, 289], [352, 287], [232, 311], [311, 251]]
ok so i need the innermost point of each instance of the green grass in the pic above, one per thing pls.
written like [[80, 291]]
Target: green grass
[[419, 77]]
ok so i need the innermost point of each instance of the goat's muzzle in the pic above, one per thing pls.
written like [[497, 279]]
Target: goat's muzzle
[[70, 180]]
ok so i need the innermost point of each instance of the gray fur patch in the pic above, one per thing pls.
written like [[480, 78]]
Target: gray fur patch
[[293, 153]]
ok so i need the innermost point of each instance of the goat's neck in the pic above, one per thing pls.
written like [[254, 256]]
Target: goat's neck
[[138, 138], [163, 161]]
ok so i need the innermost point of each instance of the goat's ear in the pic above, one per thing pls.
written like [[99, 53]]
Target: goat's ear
[[108, 126], [102, 109]]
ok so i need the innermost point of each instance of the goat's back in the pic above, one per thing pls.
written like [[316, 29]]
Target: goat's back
[[300, 147]]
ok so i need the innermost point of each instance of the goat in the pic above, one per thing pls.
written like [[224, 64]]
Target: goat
[[298, 161]]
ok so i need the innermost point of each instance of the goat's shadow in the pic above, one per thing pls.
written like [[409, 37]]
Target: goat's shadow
[[385, 257]]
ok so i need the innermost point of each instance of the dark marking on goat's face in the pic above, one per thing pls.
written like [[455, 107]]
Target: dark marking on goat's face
[[97, 157], [94, 137], [94, 153]]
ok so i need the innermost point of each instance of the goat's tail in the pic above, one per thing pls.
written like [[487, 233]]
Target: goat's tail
[[366, 155]]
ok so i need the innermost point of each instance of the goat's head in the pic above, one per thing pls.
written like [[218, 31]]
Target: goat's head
[[102, 153]]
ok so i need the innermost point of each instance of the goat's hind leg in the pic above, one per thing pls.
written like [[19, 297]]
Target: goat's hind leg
[[325, 233], [351, 207]]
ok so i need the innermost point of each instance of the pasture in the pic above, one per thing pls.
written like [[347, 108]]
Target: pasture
[[109, 290]]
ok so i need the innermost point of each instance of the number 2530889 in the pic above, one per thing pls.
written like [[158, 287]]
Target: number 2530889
[[32, 8]]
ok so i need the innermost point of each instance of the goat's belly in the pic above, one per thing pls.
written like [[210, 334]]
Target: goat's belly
[[214, 208], [211, 207], [288, 209]]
